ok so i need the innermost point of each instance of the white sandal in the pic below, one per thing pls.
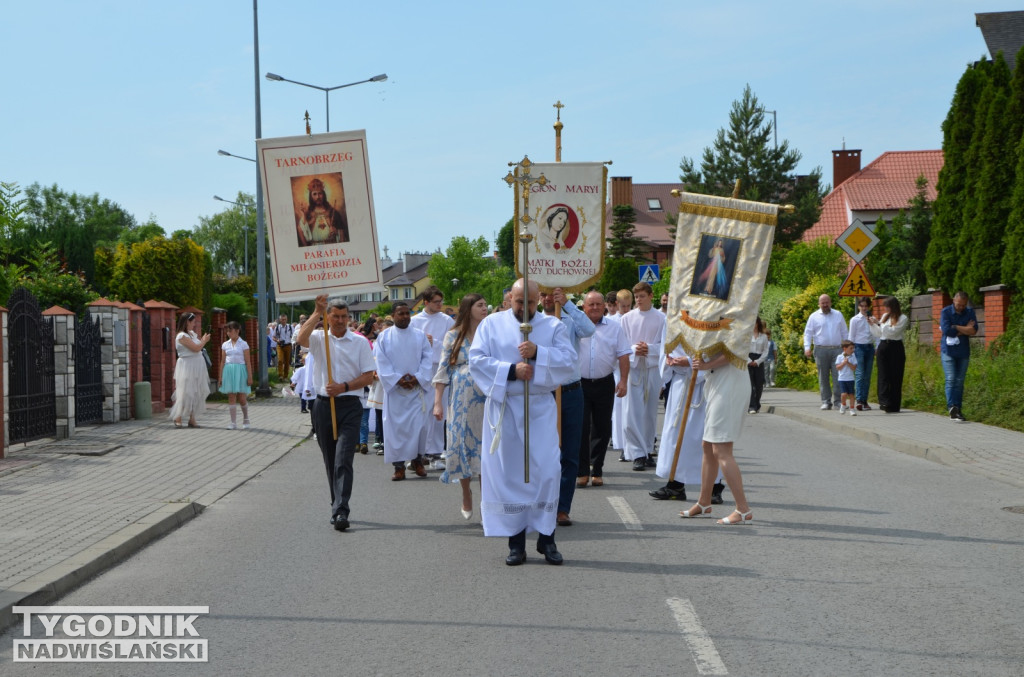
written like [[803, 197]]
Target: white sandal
[[745, 517], [696, 511]]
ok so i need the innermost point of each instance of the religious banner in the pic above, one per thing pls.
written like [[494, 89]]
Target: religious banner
[[566, 219], [718, 271], [319, 213]]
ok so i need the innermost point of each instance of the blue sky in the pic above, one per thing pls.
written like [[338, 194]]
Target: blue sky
[[132, 99]]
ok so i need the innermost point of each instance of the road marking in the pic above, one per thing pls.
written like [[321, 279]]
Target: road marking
[[626, 513], [703, 650]]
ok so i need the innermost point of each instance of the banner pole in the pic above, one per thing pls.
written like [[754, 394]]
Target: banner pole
[[682, 423]]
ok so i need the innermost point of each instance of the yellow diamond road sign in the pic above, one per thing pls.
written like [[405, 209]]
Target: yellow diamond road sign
[[857, 240]]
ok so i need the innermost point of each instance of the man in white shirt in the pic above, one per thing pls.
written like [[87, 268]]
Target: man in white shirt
[[435, 324], [404, 357], [644, 328], [826, 329], [623, 303], [352, 369], [601, 355], [578, 327]]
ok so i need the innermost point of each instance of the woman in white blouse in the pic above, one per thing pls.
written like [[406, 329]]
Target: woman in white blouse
[[191, 380], [758, 354], [890, 356]]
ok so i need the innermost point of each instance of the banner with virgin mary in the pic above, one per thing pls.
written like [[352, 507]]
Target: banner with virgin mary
[[319, 213], [567, 221], [719, 266]]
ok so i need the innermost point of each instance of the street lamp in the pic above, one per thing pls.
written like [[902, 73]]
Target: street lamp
[[327, 90], [775, 124], [245, 212], [240, 157]]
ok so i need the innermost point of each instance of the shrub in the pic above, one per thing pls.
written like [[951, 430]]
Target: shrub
[[795, 370]]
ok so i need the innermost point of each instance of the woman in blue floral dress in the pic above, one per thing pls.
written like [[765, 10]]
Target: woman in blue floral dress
[[465, 401]]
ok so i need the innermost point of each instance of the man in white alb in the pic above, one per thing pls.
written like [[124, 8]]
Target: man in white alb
[[644, 328], [404, 368], [435, 324], [502, 365]]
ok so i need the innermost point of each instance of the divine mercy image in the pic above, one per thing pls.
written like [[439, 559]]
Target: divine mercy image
[[319, 202], [716, 261]]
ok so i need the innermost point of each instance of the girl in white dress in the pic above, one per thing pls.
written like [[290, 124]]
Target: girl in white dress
[[191, 379], [235, 377]]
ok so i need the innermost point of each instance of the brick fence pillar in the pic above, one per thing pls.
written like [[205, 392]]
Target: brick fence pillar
[[250, 332], [218, 335], [940, 299], [3, 379], [161, 352], [997, 305]]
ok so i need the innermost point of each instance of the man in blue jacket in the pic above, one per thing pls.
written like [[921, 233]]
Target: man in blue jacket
[[958, 323]]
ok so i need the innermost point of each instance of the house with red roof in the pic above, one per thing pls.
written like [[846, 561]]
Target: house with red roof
[[652, 202], [879, 190]]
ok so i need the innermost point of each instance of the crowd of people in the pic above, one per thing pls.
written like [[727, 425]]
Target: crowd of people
[[528, 397]]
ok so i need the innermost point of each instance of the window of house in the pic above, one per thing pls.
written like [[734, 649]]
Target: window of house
[[654, 204], [394, 293], [408, 292]]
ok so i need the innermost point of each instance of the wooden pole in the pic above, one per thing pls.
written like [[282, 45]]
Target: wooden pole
[[330, 377], [682, 423]]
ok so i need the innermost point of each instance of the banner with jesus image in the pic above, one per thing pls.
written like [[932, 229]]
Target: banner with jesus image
[[567, 224], [719, 267], [319, 213]]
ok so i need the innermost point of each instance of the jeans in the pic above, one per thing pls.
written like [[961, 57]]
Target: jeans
[[572, 429], [956, 372], [865, 354], [364, 427]]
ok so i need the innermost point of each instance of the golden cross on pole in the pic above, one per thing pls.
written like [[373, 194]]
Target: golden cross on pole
[[521, 176], [558, 106], [309, 132]]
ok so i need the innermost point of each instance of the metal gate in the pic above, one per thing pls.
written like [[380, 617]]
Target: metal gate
[[33, 391], [88, 372]]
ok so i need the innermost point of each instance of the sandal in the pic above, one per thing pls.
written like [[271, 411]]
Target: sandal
[[745, 517], [696, 511]]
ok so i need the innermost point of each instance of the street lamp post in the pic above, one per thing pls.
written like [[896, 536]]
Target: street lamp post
[[245, 213], [327, 90]]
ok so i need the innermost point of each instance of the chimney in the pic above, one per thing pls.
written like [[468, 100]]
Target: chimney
[[845, 163], [622, 190]]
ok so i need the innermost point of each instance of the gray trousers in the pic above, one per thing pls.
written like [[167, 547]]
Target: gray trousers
[[825, 359]]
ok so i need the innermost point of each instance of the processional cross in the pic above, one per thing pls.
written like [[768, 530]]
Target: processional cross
[[520, 177]]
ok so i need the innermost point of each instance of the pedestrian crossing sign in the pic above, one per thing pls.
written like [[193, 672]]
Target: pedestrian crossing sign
[[650, 273], [857, 283]]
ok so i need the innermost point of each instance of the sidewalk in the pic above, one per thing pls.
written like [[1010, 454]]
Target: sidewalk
[[74, 508], [981, 449]]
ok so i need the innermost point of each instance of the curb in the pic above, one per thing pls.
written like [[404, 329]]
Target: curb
[[903, 445], [47, 586]]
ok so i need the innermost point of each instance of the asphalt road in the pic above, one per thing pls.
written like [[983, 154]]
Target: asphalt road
[[860, 561]]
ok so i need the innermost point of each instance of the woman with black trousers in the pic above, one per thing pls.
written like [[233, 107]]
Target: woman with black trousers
[[890, 357], [758, 354]]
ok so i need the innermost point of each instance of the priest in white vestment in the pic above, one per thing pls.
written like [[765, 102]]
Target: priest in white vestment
[[403, 366], [435, 324], [502, 364], [644, 328]]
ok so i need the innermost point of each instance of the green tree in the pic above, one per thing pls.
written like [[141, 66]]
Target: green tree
[[53, 284], [169, 270], [224, 235], [798, 266], [12, 222], [989, 186], [507, 244], [622, 240], [746, 151], [75, 224], [618, 274], [470, 263], [957, 131], [1013, 256]]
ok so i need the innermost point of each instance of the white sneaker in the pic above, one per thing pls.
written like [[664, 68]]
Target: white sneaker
[[853, 412], [825, 405], [842, 408], [438, 465], [245, 425], [232, 426]]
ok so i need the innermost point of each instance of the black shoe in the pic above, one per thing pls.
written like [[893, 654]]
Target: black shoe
[[550, 552], [640, 463], [673, 491], [652, 462], [716, 494], [340, 523], [515, 557], [333, 518], [622, 458]]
